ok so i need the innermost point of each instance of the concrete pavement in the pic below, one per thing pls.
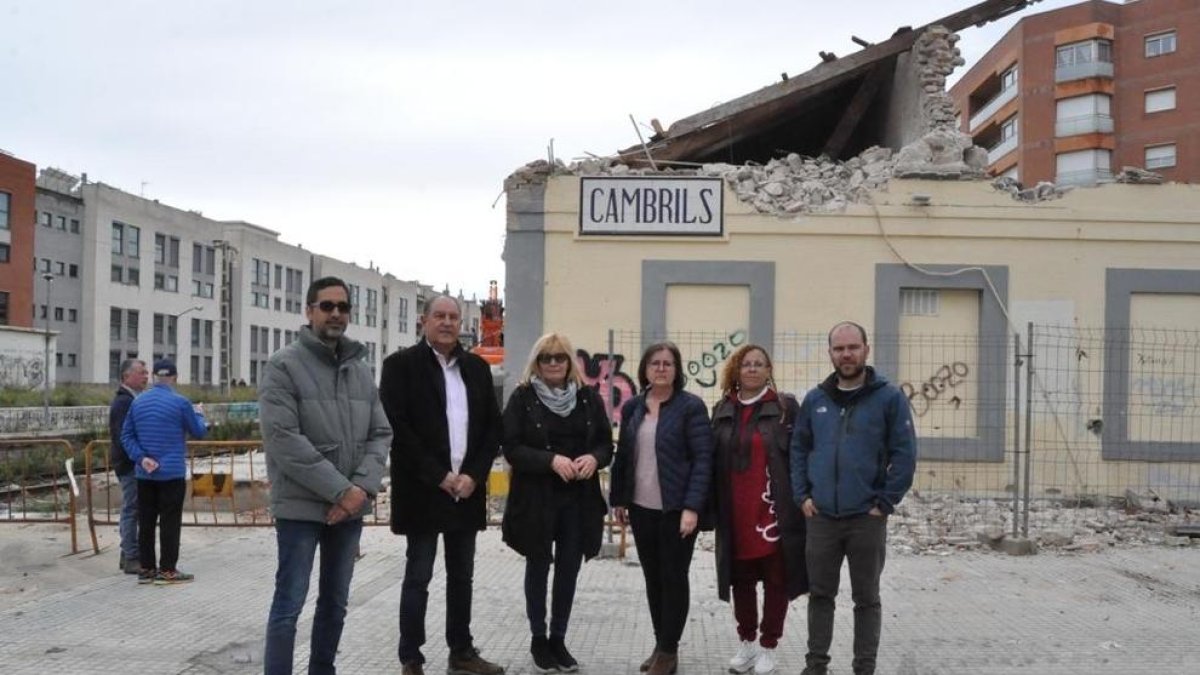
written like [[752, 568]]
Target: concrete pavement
[[1134, 610]]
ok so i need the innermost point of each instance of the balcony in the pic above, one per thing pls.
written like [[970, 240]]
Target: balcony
[[1085, 177], [1002, 148], [1083, 124], [1086, 69], [992, 107]]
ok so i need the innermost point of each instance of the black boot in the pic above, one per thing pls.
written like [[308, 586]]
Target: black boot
[[543, 659], [566, 662]]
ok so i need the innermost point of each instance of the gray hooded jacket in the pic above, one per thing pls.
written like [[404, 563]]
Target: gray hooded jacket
[[323, 426]]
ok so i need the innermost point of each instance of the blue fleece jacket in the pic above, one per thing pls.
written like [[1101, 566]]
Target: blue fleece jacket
[[157, 426], [851, 457]]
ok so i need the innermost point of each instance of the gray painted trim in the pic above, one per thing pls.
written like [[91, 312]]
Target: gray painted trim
[[657, 275], [988, 445], [1119, 287], [524, 277]]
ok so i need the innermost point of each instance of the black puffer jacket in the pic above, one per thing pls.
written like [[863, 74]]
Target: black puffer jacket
[[529, 516]]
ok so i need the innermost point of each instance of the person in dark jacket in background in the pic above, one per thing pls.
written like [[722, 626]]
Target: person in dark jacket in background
[[155, 438], [442, 406], [134, 376], [853, 456], [556, 437], [660, 481], [759, 529]]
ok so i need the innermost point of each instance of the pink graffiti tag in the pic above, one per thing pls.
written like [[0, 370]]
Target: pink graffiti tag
[[600, 370]]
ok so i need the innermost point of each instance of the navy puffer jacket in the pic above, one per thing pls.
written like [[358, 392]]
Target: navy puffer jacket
[[683, 444]]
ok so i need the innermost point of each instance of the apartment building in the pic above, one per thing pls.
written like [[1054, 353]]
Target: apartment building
[[17, 181], [1075, 94]]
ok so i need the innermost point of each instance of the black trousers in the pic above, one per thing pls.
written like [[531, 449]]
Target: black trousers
[[666, 558], [862, 542], [567, 558], [160, 505]]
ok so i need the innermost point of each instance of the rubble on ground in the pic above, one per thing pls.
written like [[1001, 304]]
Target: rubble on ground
[[939, 524], [1137, 175], [1039, 193]]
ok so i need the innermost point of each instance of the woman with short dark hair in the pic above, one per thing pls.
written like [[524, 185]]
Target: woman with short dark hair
[[660, 483]]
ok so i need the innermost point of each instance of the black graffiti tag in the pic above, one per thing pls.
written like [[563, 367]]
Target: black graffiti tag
[[945, 378], [711, 359]]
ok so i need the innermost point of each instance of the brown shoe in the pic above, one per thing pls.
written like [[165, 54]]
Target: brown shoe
[[470, 662], [412, 669], [664, 664], [649, 661]]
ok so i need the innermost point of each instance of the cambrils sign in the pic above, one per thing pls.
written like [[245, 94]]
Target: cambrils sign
[[650, 205]]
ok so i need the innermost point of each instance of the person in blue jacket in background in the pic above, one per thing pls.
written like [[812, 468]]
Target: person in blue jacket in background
[[853, 456], [155, 438]]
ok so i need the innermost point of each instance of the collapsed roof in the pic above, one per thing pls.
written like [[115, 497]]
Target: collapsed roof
[[837, 109]]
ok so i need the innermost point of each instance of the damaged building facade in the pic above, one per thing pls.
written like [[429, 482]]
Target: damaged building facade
[[893, 224]]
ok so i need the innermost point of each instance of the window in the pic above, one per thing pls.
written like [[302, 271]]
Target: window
[[131, 324], [173, 251], [133, 241], [58, 359], [210, 260], [118, 238], [5, 253], [158, 329], [253, 339], [46, 218], [46, 265], [1008, 129], [1083, 167], [1088, 51], [1160, 99], [1160, 156], [253, 373], [74, 230], [1162, 43], [135, 277], [195, 332], [197, 258], [208, 334], [3, 308], [208, 370], [1008, 79], [172, 331], [114, 324], [71, 362], [172, 283], [62, 225], [402, 319], [262, 273], [278, 276], [117, 274], [277, 303], [60, 268], [73, 271], [5, 210], [114, 365], [160, 280], [194, 373], [160, 248], [42, 315], [73, 315], [278, 335], [58, 313]]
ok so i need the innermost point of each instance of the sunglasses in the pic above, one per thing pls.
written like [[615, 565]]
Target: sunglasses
[[546, 359], [328, 306]]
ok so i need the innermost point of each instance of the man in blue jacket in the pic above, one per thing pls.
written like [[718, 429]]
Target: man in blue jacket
[[853, 456], [155, 438]]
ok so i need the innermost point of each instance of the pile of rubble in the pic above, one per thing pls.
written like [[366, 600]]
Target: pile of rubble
[[940, 524]]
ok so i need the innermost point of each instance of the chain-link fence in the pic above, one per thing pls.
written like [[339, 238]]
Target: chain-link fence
[[1065, 435]]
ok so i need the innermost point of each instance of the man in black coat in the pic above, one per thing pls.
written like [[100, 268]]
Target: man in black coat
[[134, 375], [440, 401]]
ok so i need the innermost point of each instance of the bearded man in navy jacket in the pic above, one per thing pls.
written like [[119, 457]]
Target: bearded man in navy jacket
[[853, 457]]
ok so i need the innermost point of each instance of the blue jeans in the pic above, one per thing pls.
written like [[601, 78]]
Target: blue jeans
[[129, 516], [297, 541], [414, 592]]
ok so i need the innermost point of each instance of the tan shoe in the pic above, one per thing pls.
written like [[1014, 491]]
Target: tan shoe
[[664, 664], [649, 661], [471, 663]]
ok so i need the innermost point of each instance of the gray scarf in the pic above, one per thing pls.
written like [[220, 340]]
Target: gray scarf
[[560, 401]]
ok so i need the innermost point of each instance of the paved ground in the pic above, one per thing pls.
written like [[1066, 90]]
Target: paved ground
[[1119, 611]]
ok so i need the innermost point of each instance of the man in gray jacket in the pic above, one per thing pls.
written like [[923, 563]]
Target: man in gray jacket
[[326, 439]]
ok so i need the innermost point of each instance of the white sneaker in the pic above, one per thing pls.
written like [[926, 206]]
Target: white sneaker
[[765, 663], [744, 659]]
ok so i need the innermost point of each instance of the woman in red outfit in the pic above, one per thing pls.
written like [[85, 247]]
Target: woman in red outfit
[[759, 531]]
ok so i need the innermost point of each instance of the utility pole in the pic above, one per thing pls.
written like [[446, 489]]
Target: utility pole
[[49, 278]]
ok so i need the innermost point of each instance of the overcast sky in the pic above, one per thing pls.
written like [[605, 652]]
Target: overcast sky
[[382, 130]]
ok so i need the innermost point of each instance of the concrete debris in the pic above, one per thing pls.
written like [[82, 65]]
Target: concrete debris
[[941, 154], [797, 184], [1136, 175], [538, 171], [1042, 192], [935, 524]]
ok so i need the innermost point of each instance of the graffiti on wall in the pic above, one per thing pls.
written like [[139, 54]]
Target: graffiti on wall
[[599, 369], [939, 387], [704, 369], [19, 370], [1167, 395]]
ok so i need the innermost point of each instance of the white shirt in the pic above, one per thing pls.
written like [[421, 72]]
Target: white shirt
[[456, 409]]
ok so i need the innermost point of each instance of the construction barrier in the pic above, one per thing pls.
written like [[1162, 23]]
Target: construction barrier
[[36, 483]]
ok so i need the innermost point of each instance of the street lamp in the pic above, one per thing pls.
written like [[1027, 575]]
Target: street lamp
[[49, 278], [175, 345]]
